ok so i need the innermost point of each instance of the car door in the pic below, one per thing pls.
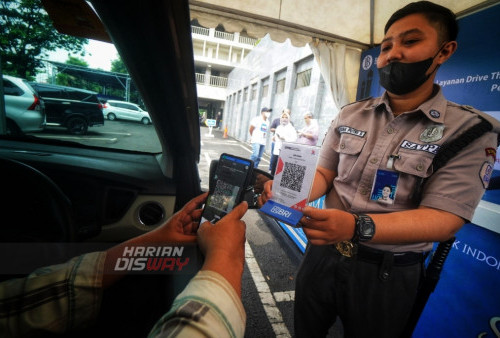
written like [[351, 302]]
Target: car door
[[111, 183], [127, 111]]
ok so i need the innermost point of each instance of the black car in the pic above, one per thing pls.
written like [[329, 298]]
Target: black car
[[73, 108]]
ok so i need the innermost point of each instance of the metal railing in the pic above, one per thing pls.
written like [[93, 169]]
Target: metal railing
[[214, 81], [248, 41], [218, 81], [200, 30], [223, 35], [200, 78]]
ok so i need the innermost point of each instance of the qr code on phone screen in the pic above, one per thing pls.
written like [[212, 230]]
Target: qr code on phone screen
[[223, 196], [292, 177]]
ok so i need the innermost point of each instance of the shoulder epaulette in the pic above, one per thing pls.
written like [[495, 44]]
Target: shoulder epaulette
[[363, 99], [494, 122]]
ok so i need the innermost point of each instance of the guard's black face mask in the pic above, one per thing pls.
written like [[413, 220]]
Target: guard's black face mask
[[402, 78]]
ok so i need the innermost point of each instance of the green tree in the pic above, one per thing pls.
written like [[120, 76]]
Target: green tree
[[73, 60], [118, 66], [27, 35], [72, 81]]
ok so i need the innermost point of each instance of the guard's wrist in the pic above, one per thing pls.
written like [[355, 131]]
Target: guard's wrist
[[364, 228]]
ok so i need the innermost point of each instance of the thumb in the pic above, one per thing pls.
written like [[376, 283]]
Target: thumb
[[238, 212]]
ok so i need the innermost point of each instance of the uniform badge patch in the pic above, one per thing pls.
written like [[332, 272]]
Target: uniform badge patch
[[434, 113], [491, 152], [485, 174], [432, 133]]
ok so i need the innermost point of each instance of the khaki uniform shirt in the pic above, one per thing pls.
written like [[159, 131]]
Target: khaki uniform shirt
[[365, 134]]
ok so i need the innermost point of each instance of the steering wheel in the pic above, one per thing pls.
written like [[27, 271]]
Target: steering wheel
[[34, 208]]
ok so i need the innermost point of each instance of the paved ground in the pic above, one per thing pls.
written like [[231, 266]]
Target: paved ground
[[272, 259]]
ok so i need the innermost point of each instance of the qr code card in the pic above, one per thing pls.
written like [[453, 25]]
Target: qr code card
[[292, 182]]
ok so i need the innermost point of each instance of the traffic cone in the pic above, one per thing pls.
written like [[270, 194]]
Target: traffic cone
[[225, 132]]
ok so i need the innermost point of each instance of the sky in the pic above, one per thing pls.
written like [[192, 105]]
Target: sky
[[98, 55]]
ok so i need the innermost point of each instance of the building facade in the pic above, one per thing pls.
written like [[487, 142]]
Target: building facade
[[216, 54], [277, 75]]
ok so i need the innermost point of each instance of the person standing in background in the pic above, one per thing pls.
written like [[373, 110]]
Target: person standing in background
[[274, 125], [285, 132], [309, 133], [259, 127]]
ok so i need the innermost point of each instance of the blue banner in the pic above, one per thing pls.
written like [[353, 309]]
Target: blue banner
[[466, 301]]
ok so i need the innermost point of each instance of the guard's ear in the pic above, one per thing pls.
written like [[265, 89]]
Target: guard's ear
[[447, 51]]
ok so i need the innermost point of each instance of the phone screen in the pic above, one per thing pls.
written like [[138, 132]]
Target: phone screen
[[231, 178]]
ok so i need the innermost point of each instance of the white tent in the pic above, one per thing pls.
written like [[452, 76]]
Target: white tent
[[336, 30]]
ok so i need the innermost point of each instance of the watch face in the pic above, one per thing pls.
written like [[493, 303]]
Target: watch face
[[366, 228]]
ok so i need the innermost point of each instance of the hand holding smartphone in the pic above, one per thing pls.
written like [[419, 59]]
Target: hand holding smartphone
[[232, 176]]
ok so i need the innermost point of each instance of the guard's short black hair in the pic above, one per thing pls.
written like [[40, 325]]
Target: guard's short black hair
[[443, 19]]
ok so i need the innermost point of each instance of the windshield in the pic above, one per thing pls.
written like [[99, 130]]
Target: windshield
[[56, 87]]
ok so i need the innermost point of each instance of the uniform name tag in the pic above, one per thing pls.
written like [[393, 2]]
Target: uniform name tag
[[430, 148], [352, 131]]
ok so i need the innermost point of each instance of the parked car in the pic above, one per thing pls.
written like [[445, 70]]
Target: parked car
[[23, 108], [113, 109], [73, 108]]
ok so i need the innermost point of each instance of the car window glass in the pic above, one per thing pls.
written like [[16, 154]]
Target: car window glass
[[11, 89], [94, 81], [49, 92]]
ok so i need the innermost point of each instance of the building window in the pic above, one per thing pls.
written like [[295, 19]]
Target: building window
[[245, 97], [303, 78], [265, 90], [238, 97], [253, 94], [280, 86]]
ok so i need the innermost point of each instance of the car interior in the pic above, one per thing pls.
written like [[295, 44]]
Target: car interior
[[62, 190]]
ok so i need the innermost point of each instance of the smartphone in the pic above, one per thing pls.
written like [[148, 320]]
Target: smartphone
[[231, 178]]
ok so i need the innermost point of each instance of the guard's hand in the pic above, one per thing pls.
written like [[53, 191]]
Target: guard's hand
[[260, 180], [327, 226], [266, 194]]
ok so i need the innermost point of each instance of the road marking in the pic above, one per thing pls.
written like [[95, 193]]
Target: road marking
[[116, 133], [284, 296], [262, 159], [208, 159], [266, 297], [110, 140], [223, 142], [247, 149]]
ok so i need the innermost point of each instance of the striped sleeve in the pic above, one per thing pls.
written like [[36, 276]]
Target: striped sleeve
[[54, 299], [208, 307]]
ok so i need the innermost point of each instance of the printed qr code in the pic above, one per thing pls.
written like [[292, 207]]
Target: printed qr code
[[293, 174], [223, 196]]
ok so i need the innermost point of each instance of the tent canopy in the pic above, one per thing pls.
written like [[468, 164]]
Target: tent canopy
[[358, 23], [336, 30]]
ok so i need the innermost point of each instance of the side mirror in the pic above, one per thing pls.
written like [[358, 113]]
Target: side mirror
[[252, 191]]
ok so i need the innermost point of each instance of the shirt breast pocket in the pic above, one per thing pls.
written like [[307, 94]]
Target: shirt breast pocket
[[349, 147], [414, 167]]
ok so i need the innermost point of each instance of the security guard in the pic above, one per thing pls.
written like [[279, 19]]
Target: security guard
[[365, 256]]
